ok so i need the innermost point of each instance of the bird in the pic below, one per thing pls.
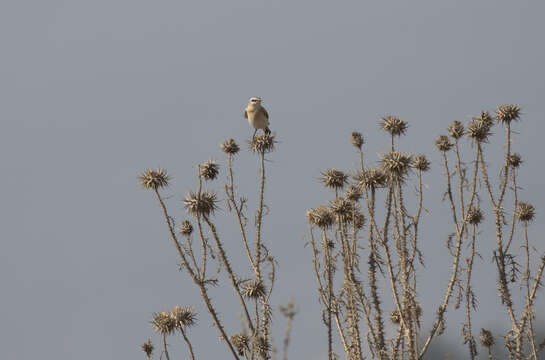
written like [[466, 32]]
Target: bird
[[257, 115]]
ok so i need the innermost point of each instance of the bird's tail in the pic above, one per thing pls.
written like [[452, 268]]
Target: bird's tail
[[267, 131]]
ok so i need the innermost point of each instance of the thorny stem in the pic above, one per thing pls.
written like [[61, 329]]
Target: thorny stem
[[379, 324], [461, 180], [231, 197], [230, 272], [188, 343], [529, 307], [328, 267], [194, 276], [443, 307], [165, 351], [470, 340]]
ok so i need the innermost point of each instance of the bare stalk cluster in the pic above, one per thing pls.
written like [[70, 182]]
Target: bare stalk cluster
[[354, 299], [201, 249]]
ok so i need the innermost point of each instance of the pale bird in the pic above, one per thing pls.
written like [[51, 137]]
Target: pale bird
[[257, 116]]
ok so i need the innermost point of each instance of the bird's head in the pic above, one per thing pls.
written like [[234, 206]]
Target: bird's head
[[255, 101]]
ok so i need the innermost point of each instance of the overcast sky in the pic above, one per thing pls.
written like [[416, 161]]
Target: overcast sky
[[93, 92]]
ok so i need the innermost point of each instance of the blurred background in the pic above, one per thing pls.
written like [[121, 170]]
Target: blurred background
[[94, 92]]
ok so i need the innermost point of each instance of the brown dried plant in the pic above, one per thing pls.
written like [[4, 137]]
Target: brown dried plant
[[366, 257]]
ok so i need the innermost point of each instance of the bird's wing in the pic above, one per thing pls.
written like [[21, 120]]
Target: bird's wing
[[265, 113], [245, 114]]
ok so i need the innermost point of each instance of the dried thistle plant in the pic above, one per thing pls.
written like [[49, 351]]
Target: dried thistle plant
[[356, 139], [524, 211], [154, 179], [209, 170], [394, 125], [508, 113], [456, 129], [230, 147], [262, 143], [443, 143], [147, 348], [334, 179], [203, 204]]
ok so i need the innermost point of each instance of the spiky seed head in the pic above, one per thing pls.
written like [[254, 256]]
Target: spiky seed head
[[154, 179], [514, 160], [184, 316], [241, 342], [396, 165], [209, 170], [353, 192], [254, 289], [420, 162], [486, 337], [395, 317], [356, 139], [485, 119], [163, 323], [507, 113], [443, 143], [205, 204], [334, 179], [230, 147], [262, 143], [394, 125], [147, 348], [358, 220], [186, 228], [456, 129], [479, 130], [321, 217], [261, 346], [524, 211], [342, 207], [371, 178], [474, 215]]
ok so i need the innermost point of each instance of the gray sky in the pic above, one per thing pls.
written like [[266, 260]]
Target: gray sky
[[93, 92]]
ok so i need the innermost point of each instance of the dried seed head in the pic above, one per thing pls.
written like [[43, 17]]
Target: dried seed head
[[205, 204], [485, 119], [334, 179], [353, 192], [230, 147], [371, 178], [261, 347], [321, 217], [474, 215], [186, 228], [163, 323], [396, 165], [358, 220], [209, 170], [420, 162], [514, 160], [254, 289], [154, 179], [262, 143], [342, 207], [479, 130], [443, 143], [356, 139], [487, 340], [524, 211], [394, 125], [456, 129], [147, 348], [240, 342], [395, 317], [507, 113], [183, 316]]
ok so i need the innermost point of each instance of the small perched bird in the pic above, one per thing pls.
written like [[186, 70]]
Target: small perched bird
[[257, 116]]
